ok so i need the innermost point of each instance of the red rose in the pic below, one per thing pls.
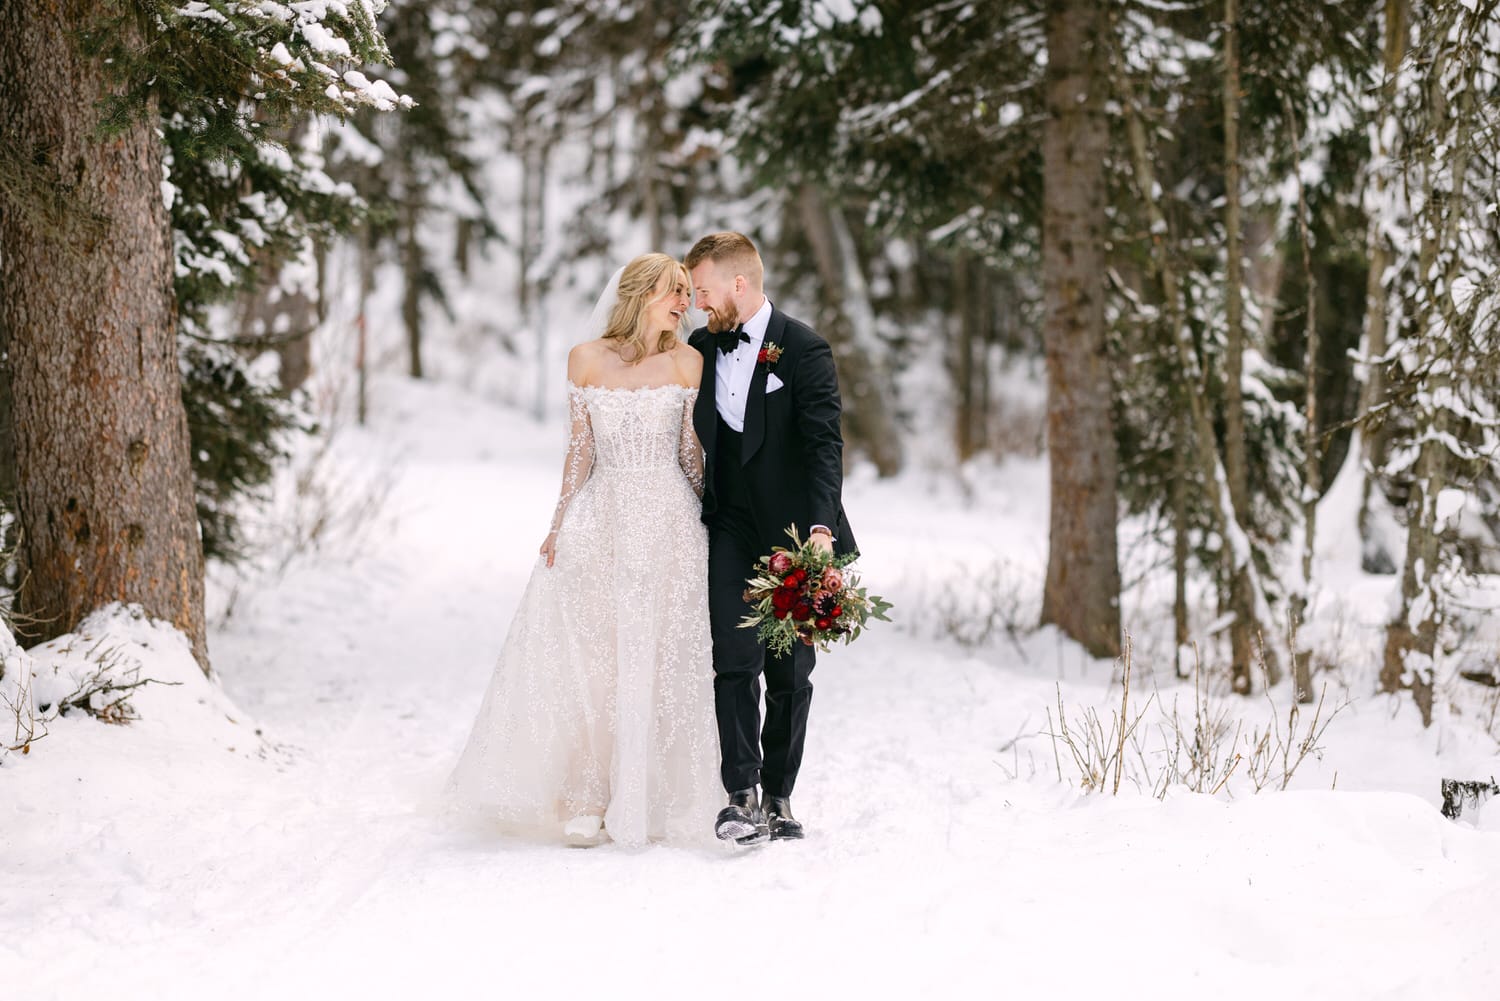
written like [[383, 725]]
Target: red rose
[[824, 623], [837, 611], [802, 611], [781, 613], [780, 563], [783, 599]]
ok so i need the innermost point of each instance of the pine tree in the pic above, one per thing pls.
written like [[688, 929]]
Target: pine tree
[[87, 303], [1441, 369]]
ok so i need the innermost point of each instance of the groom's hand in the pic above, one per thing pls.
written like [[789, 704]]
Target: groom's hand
[[823, 540]]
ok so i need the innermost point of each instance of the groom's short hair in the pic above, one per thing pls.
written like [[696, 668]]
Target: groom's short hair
[[733, 250]]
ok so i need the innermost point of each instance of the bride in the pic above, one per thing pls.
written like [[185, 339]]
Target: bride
[[598, 722]]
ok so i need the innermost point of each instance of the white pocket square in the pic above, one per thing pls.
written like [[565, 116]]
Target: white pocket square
[[773, 383]]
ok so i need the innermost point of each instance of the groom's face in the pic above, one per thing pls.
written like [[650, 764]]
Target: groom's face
[[714, 292]]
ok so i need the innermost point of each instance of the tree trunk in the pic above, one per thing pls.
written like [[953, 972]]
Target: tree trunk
[[535, 152], [1183, 439], [1082, 595], [1411, 646], [1246, 599], [848, 321], [1236, 468], [963, 359], [1312, 475], [105, 487], [281, 314], [412, 269], [367, 251], [1374, 439]]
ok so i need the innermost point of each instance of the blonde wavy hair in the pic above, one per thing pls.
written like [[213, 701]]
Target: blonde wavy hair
[[643, 280]]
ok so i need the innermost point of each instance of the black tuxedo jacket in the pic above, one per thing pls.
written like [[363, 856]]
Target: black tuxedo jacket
[[792, 449]]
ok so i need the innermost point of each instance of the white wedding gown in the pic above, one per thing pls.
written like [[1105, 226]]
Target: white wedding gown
[[602, 700]]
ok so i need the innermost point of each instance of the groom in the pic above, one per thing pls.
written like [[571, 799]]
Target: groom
[[768, 418]]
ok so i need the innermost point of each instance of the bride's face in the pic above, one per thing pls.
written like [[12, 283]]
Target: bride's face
[[666, 310], [715, 291]]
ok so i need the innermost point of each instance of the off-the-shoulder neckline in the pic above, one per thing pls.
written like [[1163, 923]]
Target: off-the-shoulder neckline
[[630, 389]]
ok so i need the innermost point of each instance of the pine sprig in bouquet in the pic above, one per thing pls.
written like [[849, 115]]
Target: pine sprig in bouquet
[[808, 595]]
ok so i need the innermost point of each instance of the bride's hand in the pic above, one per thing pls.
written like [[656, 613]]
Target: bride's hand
[[549, 547]]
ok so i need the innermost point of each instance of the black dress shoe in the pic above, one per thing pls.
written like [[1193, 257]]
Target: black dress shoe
[[742, 821], [779, 820]]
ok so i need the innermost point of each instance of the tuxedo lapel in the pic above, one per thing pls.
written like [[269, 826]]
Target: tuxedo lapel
[[755, 406], [704, 421]]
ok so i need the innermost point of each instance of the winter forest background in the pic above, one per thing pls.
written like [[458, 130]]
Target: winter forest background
[[1167, 337]]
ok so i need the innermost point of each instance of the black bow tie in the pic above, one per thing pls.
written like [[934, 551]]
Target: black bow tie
[[728, 340]]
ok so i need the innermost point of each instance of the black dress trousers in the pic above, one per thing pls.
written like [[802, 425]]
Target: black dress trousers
[[750, 753]]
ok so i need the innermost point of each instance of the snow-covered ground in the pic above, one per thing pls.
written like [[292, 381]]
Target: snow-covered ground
[[276, 839]]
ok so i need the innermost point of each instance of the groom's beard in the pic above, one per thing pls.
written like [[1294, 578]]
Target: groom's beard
[[718, 322]]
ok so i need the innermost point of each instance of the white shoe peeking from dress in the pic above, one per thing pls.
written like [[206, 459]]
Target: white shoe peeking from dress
[[584, 831]]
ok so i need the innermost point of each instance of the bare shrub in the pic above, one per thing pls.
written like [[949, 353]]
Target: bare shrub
[[29, 727], [1201, 754], [1099, 753], [320, 506], [976, 608], [103, 692]]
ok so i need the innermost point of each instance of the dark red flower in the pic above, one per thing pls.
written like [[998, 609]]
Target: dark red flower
[[837, 611], [824, 623], [782, 599], [802, 611]]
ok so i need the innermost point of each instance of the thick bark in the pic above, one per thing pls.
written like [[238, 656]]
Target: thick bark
[[105, 486], [1236, 469], [848, 322], [1082, 595]]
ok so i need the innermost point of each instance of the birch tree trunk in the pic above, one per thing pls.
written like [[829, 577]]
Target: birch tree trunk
[[1082, 595], [105, 487]]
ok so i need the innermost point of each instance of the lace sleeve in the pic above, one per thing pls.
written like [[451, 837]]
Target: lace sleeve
[[689, 450], [580, 460]]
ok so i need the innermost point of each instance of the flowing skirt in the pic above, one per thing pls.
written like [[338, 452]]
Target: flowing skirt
[[602, 700]]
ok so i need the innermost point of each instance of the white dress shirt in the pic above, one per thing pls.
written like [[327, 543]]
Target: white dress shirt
[[733, 371]]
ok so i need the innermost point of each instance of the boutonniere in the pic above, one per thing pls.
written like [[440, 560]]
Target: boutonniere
[[769, 356]]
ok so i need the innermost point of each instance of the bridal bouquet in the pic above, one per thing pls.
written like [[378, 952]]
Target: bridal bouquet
[[806, 594]]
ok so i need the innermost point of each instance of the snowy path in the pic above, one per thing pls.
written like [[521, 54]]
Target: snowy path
[[179, 870]]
